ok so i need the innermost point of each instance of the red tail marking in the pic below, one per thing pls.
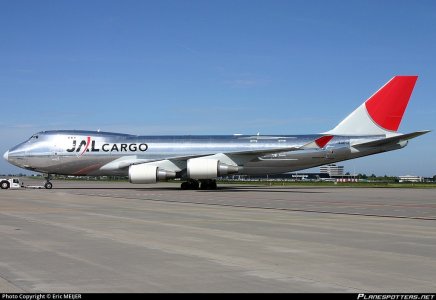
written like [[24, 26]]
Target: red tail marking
[[322, 141], [387, 106]]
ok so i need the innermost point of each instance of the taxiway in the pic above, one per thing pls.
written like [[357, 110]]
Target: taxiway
[[117, 237]]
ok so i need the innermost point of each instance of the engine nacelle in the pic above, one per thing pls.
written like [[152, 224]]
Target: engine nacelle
[[207, 168], [145, 173]]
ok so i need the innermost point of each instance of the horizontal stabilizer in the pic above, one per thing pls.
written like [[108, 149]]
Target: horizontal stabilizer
[[392, 140]]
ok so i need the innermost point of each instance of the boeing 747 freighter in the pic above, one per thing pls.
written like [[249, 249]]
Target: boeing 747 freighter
[[198, 160]]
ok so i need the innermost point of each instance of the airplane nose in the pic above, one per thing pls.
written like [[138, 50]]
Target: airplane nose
[[6, 155]]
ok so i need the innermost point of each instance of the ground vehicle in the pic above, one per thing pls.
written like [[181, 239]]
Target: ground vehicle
[[11, 183]]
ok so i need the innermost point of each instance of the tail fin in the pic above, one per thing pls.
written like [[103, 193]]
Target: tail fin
[[382, 112]]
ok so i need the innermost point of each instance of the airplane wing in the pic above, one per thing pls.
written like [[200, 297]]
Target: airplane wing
[[391, 140], [246, 155], [318, 143], [315, 144]]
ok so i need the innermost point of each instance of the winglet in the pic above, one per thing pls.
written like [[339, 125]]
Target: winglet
[[319, 143]]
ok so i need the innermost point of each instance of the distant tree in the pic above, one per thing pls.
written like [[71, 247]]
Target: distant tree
[[362, 176], [348, 173]]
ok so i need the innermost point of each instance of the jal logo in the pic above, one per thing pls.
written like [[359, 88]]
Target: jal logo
[[89, 146]]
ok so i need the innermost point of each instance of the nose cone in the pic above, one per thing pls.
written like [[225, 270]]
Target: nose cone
[[6, 155]]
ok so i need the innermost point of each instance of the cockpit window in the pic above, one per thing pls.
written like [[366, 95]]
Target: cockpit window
[[32, 138]]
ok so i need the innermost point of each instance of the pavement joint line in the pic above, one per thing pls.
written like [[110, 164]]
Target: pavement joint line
[[267, 208], [10, 283]]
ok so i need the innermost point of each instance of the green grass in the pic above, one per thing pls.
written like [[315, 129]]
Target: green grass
[[334, 184], [380, 184]]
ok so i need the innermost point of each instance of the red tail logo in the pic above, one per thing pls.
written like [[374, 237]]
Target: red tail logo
[[386, 107]]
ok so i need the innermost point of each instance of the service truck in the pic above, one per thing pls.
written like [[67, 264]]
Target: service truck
[[11, 183]]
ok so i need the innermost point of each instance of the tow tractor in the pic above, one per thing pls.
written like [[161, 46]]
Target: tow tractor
[[12, 183]]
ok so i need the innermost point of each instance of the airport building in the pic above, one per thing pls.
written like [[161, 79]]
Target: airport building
[[332, 169], [410, 178]]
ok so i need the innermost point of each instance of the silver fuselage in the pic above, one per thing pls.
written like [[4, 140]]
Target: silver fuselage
[[100, 153]]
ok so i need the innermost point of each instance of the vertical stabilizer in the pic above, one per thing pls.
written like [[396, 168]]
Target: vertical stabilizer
[[382, 112]]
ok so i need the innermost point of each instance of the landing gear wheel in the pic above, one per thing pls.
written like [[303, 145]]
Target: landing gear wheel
[[204, 185], [190, 185], [213, 185], [48, 184], [194, 184], [5, 185], [208, 184]]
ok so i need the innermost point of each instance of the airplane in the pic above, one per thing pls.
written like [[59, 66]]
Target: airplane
[[198, 160]]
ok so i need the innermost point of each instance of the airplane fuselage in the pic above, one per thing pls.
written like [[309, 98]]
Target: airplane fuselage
[[100, 153]]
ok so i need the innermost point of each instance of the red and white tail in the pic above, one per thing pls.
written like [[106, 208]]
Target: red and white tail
[[382, 112]]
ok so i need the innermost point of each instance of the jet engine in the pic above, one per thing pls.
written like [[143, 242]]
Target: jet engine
[[206, 168], [145, 173]]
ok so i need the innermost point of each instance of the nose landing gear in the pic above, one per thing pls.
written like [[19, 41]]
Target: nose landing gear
[[48, 185]]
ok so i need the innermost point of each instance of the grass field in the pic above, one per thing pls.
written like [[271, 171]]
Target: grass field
[[335, 184], [374, 184]]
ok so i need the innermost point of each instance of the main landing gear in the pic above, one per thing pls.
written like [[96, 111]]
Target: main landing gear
[[48, 185], [191, 184], [205, 184]]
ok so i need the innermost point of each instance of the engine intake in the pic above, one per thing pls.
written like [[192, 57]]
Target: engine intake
[[206, 168], [148, 174]]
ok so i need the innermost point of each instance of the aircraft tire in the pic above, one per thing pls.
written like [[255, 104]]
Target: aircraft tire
[[194, 185], [208, 184], [190, 185], [204, 184], [213, 185], [5, 185], [48, 185], [184, 186]]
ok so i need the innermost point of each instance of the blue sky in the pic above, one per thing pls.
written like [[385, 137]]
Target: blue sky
[[215, 67]]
